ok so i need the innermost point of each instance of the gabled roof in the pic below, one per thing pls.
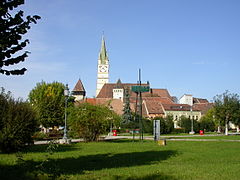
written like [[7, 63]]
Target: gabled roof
[[79, 86], [153, 107]]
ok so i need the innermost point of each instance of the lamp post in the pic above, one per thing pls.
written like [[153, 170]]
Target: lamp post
[[66, 94], [192, 132], [110, 133]]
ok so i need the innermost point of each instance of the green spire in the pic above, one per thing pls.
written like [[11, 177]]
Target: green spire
[[103, 53]]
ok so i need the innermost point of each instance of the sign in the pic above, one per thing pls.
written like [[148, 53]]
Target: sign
[[140, 89]]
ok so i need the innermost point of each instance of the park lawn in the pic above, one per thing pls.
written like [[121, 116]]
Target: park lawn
[[127, 160], [217, 137]]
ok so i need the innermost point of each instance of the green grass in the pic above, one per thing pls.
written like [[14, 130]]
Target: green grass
[[230, 137], [127, 160]]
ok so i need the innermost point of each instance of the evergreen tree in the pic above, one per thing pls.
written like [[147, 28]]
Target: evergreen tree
[[12, 28], [127, 115]]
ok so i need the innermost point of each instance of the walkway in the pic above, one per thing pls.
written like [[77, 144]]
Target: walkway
[[168, 138]]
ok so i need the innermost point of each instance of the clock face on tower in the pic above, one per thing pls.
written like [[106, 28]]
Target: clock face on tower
[[103, 68]]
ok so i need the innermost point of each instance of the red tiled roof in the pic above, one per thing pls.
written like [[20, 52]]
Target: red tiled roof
[[153, 107], [203, 107], [163, 100], [159, 93], [115, 104], [178, 107], [107, 91]]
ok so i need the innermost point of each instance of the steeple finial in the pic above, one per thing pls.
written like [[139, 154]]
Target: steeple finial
[[103, 52]]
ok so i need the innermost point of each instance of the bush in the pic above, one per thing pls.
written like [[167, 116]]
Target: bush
[[166, 124], [134, 124], [207, 125], [90, 121], [18, 123], [186, 124]]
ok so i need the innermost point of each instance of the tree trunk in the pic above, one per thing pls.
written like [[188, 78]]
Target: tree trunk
[[219, 129], [226, 128]]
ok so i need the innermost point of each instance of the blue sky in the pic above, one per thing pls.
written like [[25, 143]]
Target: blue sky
[[186, 46]]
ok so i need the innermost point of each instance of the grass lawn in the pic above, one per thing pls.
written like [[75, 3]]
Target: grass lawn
[[223, 137], [127, 160]]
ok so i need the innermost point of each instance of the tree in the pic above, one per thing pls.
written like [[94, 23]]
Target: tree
[[166, 124], [17, 123], [186, 123], [207, 122], [226, 109], [127, 114], [12, 28], [48, 100], [90, 121]]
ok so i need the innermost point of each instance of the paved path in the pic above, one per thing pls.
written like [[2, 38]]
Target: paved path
[[168, 138]]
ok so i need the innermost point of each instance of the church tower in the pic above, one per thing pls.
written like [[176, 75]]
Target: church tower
[[103, 67], [79, 92]]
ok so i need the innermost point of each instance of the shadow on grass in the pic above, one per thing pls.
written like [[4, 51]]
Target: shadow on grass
[[43, 148], [157, 176], [87, 163]]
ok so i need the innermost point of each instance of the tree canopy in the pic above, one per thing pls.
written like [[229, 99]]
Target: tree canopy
[[48, 100], [17, 123], [90, 121], [227, 108], [12, 29]]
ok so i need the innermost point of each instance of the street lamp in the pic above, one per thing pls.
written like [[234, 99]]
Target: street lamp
[[66, 94], [192, 132], [110, 133]]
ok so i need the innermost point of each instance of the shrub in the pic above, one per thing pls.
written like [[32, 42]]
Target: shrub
[[90, 121], [18, 123], [166, 124], [186, 124]]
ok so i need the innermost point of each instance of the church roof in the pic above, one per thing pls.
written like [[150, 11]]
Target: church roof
[[103, 53], [79, 86], [107, 89], [118, 84], [161, 95]]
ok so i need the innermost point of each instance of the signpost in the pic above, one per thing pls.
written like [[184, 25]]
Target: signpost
[[138, 89]]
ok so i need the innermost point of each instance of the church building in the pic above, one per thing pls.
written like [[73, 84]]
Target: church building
[[155, 102]]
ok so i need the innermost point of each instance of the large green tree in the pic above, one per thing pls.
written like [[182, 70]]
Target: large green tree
[[48, 100], [226, 109], [12, 29], [90, 121], [17, 123], [208, 122]]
